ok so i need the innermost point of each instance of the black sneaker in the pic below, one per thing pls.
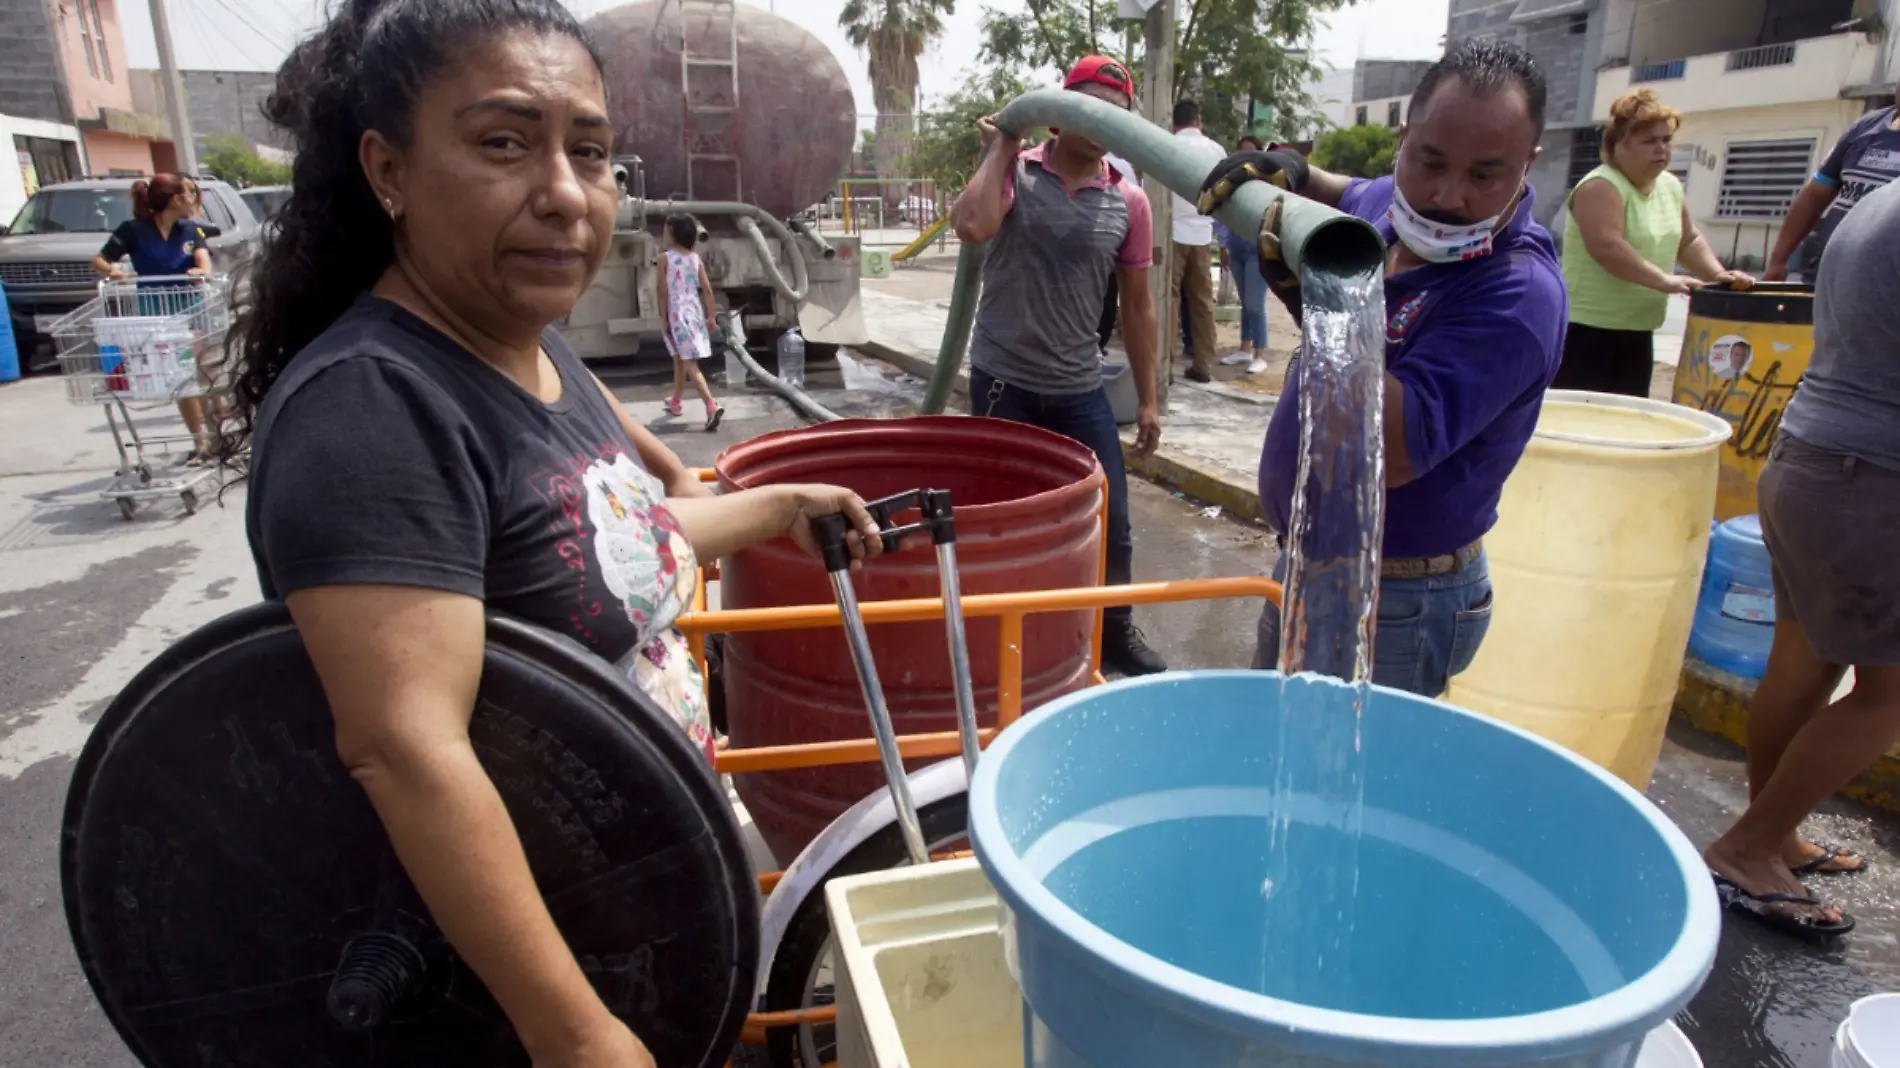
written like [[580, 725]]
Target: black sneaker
[[1195, 374], [1125, 651]]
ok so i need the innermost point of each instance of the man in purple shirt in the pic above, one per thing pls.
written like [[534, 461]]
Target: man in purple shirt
[[1475, 316]]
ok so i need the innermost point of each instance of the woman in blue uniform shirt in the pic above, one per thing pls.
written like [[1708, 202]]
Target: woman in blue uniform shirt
[[161, 240]]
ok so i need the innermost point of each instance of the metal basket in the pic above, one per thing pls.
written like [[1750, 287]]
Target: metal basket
[[140, 340]]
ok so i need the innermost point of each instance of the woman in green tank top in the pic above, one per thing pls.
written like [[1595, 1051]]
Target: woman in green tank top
[[1628, 228]]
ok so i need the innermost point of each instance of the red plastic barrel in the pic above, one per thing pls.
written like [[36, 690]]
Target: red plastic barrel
[[1028, 508]]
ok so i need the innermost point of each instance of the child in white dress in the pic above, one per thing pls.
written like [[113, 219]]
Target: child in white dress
[[686, 302]]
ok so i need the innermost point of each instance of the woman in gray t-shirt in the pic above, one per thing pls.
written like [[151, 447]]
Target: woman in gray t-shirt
[[1830, 513]]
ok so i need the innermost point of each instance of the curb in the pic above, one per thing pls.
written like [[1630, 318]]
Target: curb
[[1202, 483], [1715, 702], [1162, 467]]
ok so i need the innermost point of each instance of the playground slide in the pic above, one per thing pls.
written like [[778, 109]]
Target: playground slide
[[924, 239]]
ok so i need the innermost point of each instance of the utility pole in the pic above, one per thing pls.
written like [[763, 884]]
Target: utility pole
[[174, 92], [1158, 107]]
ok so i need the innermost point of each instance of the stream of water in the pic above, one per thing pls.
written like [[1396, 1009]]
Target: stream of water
[[1328, 609]]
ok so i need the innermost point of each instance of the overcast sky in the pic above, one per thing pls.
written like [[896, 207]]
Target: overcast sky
[[255, 34]]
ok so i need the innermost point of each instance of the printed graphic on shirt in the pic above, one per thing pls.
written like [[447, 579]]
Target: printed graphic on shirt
[[1402, 320], [1875, 168], [646, 562]]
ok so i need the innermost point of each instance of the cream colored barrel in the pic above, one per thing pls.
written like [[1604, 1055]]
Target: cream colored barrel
[[1596, 559]]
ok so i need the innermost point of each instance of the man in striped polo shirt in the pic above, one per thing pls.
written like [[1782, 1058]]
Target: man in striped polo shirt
[[1061, 224]]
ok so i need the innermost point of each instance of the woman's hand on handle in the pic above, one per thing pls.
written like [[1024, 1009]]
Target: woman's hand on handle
[[815, 501]]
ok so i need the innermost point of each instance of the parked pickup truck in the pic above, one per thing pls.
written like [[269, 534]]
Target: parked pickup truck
[[46, 253]]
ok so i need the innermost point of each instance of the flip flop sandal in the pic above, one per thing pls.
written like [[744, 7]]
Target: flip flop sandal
[[1829, 854], [1762, 908]]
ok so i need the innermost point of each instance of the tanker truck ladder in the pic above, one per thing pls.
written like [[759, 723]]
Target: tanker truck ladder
[[709, 78]]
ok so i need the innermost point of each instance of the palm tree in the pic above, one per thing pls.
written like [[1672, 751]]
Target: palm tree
[[894, 33]]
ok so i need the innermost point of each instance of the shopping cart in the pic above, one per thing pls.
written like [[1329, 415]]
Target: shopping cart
[[135, 347]]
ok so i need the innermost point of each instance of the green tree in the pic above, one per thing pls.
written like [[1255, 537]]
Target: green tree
[[1359, 151], [893, 34], [231, 158], [1228, 53], [948, 148]]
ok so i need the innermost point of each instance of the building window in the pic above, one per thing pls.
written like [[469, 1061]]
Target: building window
[[85, 38], [1586, 151], [1760, 178], [1580, 23], [99, 35], [1681, 162], [1359, 116], [1392, 114]]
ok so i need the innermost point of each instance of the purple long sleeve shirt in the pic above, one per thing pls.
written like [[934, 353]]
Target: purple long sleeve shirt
[[1474, 345]]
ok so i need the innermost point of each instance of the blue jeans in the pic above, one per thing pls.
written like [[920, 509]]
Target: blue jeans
[[1429, 628], [1087, 419], [1244, 264]]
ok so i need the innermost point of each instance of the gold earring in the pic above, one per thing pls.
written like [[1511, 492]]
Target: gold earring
[[389, 205]]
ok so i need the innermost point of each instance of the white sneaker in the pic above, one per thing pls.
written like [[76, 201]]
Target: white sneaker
[[1256, 366], [1236, 358]]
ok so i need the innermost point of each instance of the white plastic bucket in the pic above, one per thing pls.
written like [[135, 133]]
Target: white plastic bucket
[[1870, 1036], [1668, 1047]]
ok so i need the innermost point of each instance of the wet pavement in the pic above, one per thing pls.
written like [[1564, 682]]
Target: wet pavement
[[85, 599]]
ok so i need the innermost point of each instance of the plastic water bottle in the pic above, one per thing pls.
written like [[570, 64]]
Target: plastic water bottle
[[791, 358]]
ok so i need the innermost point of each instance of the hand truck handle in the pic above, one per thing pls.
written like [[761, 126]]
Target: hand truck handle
[[937, 518], [833, 531]]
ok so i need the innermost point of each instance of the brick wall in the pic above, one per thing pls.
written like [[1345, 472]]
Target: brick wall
[[1563, 57], [230, 102], [30, 79]]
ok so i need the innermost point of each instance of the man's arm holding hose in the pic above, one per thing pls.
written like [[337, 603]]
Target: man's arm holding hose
[[1285, 169], [980, 209]]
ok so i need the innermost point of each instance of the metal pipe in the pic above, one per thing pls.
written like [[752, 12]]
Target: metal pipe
[[959, 657], [804, 230], [956, 332], [1312, 235], [881, 726], [747, 217], [733, 328]]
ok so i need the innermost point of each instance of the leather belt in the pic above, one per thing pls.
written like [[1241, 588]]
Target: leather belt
[[1416, 567]]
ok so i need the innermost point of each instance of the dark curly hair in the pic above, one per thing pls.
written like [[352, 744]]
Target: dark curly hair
[[364, 70]]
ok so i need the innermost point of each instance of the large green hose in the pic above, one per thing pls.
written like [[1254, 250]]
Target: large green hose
[[1312, 236], [956, 332]]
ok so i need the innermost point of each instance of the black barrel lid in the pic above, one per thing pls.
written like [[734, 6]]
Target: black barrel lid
[[1767, 302], [217, 860]]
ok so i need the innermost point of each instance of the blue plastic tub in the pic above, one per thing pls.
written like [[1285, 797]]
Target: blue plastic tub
[[1507, 903], [1735, 612]]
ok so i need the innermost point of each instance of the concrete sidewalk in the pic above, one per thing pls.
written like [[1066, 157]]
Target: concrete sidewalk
[[1210, 435]]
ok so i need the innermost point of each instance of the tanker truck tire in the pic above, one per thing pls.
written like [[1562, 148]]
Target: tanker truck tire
[[800, 967]]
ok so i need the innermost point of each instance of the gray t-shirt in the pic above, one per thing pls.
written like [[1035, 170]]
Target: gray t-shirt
[[1866, 158], [1046, 274], [1849, 399]]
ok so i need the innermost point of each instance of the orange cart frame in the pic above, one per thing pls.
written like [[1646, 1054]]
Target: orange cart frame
[[1010, 609]]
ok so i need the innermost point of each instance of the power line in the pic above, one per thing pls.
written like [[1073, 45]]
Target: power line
[[208, 27], [246, 22]]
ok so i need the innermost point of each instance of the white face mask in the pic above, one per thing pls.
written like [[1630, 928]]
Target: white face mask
[[1437, 242]]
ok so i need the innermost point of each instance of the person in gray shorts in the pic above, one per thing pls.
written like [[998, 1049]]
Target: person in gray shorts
[[1830, 513]]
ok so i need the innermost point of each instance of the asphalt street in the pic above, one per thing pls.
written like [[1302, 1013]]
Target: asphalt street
[[87, 598]]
